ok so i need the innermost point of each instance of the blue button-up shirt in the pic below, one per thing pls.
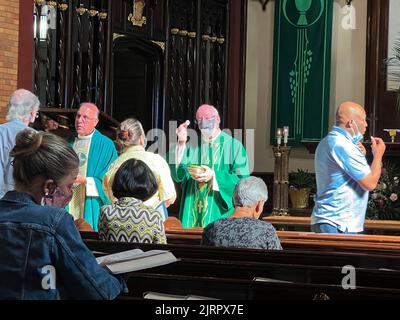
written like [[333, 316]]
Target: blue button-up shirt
[[340, 200], [42, 255], [8, 131]]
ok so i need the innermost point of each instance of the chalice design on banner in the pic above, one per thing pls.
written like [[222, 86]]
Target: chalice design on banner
[[299, 75]]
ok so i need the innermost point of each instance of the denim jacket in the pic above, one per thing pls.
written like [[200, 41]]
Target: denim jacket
[[42, 255]]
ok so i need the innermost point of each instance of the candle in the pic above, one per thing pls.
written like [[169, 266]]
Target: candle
[[285, 134], [279, 136]]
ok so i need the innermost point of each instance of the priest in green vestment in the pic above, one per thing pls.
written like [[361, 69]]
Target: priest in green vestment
[[207, 170], [96, 152]]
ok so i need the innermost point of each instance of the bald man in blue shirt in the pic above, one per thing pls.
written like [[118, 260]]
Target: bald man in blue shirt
[[343, 175]]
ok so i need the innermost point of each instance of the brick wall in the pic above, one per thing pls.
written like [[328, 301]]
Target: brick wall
[[9, 25]]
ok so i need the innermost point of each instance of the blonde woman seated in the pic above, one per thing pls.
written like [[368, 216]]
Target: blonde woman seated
[[132, 141], [243, 229], [129, 219]]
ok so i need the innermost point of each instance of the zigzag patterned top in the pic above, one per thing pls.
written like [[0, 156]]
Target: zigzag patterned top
[[129, 220]]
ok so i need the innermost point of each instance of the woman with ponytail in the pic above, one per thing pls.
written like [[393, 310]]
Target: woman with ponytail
[[42, 255], [131, 142]]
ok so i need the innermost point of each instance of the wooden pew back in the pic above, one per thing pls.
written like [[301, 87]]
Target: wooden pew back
[[216, 272]]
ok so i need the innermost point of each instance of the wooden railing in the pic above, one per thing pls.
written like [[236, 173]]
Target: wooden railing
[[370, 225]]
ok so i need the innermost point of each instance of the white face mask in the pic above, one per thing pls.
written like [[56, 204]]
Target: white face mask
[[357, 137]]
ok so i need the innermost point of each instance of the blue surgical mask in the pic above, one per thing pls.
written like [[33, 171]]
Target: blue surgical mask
[[207, 123], [357, 137], [207, 132], [207, 127], [58, 199]]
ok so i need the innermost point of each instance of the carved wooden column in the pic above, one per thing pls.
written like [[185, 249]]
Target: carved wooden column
[[62, 21], [51, 6], [78, 94], [37, 56], [100, 68], [92, 13]]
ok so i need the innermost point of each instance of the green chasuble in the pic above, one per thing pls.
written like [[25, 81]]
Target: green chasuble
[[102, 153], [201, 203]]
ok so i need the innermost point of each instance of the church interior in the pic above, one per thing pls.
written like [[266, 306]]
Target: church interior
[[276, 72]]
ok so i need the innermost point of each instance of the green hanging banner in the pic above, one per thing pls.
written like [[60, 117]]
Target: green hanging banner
[[302, 64]]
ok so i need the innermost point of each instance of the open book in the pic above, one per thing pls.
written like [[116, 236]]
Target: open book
[[136, 259], [164, 296]]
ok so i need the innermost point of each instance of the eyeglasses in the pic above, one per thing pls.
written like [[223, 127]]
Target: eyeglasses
[[85, 118], [199, 121]]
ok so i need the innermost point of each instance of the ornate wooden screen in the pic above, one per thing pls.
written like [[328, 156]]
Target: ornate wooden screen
[[73, 58], [70, 52], [198, 56]]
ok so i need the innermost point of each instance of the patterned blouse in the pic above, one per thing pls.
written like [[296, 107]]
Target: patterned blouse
[[129, 220], [241, 233]]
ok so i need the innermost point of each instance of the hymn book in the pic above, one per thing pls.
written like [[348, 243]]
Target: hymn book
[[133, 260]]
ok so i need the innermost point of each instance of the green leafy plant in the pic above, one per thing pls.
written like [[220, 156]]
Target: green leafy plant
[[302, 179], [384, 201], [393, 65]]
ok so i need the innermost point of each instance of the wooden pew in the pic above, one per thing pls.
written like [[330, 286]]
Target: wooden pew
[[238, 289], [302, 240], [298, 273], [318, 258], [233, 269], [216, 272], [291, 240], [338, 242]]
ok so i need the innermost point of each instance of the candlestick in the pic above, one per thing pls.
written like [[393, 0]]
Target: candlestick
[[285, 134], [279, 136]]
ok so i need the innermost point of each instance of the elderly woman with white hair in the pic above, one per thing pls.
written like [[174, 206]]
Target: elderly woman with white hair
[[132, 141], [242, 229]]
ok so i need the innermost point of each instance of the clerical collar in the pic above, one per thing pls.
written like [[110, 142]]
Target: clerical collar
[[86, 137], [212, 139]]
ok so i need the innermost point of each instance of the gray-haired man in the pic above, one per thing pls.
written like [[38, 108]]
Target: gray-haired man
[[22, 110]]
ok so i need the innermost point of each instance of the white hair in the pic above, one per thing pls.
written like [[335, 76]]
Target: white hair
[[21, 104], [249, 191], [135, 129]]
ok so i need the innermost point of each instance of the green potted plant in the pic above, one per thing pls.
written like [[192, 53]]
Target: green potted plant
[[302, 183]]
